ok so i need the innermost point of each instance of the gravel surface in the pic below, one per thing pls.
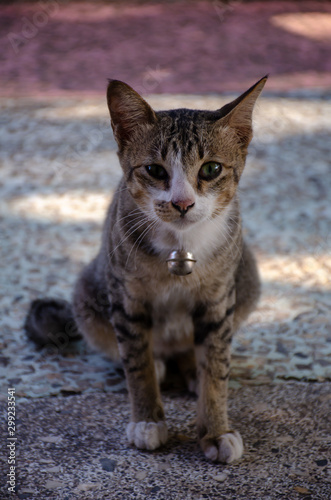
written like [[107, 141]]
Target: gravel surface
[[59, 172], [75, 448]]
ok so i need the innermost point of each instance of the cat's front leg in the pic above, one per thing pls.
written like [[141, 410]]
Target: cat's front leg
[[132, 324], [213, 334]]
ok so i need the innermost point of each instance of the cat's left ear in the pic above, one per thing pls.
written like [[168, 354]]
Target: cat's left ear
[[128, 110], [238, 113]]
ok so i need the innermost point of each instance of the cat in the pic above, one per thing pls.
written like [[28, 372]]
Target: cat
[[181, 170]]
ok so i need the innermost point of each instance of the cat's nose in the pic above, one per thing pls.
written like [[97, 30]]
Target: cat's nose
[[183, 206]]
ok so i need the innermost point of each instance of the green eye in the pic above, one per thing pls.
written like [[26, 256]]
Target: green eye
[[210, 170], [157, 172]]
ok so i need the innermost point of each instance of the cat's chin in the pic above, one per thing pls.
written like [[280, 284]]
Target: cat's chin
[[183, 224]]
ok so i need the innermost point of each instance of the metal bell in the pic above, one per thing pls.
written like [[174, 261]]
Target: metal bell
[[180, 262]]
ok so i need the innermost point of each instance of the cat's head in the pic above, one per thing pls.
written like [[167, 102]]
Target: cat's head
[[181, 166]]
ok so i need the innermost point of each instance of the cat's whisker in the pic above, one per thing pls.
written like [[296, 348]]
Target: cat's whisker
[[123, 189], [128, 233], [220, 211], [225, 234], [139, 240], [152, 225], [132, 220], [230, 218], [134, 215], [142, 218], [130, 214]]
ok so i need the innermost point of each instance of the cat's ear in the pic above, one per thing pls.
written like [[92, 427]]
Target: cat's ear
[[128, 110], [238, 113]]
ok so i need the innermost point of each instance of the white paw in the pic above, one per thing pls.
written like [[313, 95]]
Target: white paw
[[147, 435], [226, 448], [160, 370]]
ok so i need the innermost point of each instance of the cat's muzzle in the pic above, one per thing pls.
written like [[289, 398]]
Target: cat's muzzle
[[180, 262]]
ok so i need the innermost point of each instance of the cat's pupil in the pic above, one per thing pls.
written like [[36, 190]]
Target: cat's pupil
[[157, 172], [210, 170]]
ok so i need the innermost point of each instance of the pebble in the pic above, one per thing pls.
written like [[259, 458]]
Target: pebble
[[303, 491], [321, 463], [51, 485], [54, 469], [141, 475], [88, 486], [220, 477], [51, 439], [107, 464]]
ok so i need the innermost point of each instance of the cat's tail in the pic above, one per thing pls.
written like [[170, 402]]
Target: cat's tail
[[51, 322]]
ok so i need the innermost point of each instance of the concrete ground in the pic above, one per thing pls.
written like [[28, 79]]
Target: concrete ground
[[58, 173], [75, 448]]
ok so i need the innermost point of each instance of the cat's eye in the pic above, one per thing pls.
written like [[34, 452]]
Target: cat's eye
[[210, 170], [157, 172]]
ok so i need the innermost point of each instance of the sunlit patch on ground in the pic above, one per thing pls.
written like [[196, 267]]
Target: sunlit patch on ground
[[314, 25]]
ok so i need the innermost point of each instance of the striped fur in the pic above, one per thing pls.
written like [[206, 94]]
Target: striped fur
[[145, 312]]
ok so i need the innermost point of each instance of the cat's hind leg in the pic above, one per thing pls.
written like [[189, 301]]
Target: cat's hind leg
[[248, 288], [92, 312], [91, 308]]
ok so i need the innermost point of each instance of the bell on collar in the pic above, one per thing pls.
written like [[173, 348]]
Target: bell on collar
[[180, 262]]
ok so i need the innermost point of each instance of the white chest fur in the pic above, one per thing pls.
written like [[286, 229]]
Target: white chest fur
[[172, 320]]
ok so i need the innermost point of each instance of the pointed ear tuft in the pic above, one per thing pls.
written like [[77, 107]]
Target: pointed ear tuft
[[128, 110], [238, 113]]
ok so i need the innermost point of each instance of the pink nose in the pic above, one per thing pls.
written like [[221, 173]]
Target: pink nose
[[183, 206]]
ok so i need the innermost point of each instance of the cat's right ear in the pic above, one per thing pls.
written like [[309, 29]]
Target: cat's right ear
[[128, 110]]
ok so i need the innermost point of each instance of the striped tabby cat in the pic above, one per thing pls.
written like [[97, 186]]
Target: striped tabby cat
[[178, 192]]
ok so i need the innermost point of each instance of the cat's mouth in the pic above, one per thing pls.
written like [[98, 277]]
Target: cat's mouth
[[183, 223]]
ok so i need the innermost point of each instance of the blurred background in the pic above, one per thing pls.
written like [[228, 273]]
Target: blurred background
[[59, 169], [63, 46], [59, 166]]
